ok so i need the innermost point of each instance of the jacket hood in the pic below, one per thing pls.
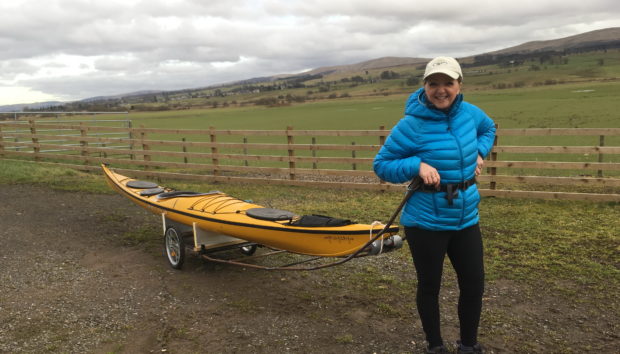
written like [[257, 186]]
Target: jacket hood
[[418, 105]]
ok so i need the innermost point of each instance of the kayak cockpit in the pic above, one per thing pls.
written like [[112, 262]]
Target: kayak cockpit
[[270, 214]]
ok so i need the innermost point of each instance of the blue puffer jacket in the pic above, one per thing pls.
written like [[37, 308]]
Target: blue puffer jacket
[[450, 142]]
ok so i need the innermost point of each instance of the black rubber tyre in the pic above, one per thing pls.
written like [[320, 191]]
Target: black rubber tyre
[[248, 250], [174, 246]]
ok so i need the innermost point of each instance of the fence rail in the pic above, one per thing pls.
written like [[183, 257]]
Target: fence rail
[[294, 157]]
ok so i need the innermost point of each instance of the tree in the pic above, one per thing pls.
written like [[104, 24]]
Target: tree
[[413, 81], [389, 75]]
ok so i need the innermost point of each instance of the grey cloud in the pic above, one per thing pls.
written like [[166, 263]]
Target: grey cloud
[[10, 69], [470, 12], [117, 63]]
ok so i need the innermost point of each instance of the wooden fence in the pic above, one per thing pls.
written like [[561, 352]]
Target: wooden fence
[[343, 158]]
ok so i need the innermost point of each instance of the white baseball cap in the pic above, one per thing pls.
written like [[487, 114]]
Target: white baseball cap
[[443, 65]]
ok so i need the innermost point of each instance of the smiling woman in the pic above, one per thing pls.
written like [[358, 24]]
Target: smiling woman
[[442, 141]]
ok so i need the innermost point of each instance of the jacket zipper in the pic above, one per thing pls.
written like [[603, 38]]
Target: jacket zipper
[[458, 145]]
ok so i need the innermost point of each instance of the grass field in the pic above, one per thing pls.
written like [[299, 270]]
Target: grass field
[[575, 105], [584, 105], [560, 106], [579, 93]]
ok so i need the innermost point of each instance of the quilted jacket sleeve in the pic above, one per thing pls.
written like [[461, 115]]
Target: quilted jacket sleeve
[[486, 132], [396, 161]]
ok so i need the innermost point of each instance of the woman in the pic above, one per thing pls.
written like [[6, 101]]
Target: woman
[[443, 140]]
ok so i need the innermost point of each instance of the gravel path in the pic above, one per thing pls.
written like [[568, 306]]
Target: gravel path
[[71, 282], [70, 285]]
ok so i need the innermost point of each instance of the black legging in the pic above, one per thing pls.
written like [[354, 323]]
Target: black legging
[[464, 248]]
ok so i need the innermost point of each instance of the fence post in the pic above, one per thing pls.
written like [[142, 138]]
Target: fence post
[[131, 139], [381, 143], [353, 155], [216, 162], [601, 142], [1, 143], [291, 153], [184, 150], [104, 154], [35, 140], [245, 150], [145, 148], [314, 165], [83, 143], [493, 157]]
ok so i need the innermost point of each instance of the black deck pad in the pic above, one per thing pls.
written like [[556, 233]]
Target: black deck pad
[[269, 214], [320, 221], [175, 194], [151, 191], [141, 184]]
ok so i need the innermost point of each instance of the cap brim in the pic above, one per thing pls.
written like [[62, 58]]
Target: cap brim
[[453, 74]]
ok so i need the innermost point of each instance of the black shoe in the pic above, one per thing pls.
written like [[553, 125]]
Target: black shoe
[[463, 349], [440, 349]]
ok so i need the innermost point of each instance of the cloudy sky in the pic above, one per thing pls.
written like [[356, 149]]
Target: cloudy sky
[[74, 49]]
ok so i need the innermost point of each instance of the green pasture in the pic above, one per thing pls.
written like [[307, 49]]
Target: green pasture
[[582, 92], [576, 105], [579, 92]]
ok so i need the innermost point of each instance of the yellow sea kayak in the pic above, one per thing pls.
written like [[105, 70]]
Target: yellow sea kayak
[[217, 212]]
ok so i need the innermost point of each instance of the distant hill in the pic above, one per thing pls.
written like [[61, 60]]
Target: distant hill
[[609, 36], [381, 63], [131, 94], [51, 104], [37, 105]]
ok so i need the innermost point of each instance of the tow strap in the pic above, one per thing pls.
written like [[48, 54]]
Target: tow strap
[[451, 189]]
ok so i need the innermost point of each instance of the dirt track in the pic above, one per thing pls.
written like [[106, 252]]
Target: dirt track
[[70, 283]]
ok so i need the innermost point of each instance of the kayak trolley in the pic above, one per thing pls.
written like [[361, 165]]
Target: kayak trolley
[[179, 238]]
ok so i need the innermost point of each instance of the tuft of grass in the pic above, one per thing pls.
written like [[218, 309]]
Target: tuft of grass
[[145, 235], [60, 178], [244, 305], [344, 338]]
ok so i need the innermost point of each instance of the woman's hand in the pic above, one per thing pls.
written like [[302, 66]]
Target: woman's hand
[[479, 164], [429, 174]]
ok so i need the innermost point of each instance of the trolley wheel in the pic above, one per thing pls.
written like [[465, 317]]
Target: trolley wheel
[[248, 250], [175, 248]]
